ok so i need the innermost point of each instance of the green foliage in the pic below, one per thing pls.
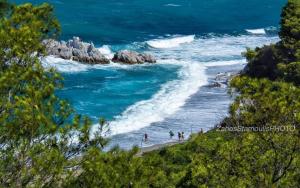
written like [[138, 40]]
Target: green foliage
[[291, 72], [273, 108], [290, 29], [4, 7], [265, 103], [250, 54], [22, 32], [115, 168], [39, 134], [262, 62], [273, 61]]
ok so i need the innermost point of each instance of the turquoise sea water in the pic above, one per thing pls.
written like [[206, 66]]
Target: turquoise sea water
[[193, 40]]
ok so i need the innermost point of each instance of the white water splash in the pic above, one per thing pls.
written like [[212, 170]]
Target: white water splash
[[256, 31], [170, 42]]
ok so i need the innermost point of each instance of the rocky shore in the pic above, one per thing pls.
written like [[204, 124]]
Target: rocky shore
[[84, 52], [222, 79]]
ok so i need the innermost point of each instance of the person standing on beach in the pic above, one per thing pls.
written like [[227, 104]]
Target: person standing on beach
[[146, 137], [182, 135]]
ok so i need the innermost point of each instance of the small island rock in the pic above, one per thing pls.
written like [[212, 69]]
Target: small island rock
[[132, 57], [75, 50]]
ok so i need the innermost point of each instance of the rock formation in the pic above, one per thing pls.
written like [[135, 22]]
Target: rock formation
[[75, 50], [132, 57], [84, 52]]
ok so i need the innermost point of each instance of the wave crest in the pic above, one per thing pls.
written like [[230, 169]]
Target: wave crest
[[106, 51], [170, 42], [256, 31], [172, 5]]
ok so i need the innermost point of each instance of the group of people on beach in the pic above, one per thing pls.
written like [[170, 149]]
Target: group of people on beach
[[171, 133], [180, 135]]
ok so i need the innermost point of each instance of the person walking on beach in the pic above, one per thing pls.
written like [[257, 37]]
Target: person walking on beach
[[146, 137], [171, 134], [182, 135], [179, 136]]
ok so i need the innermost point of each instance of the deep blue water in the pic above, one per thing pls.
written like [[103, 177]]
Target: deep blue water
[[193, 41], [126, 21]]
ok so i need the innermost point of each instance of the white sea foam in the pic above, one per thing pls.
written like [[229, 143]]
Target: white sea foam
[[256, 31], [171, 42], [165, 102], [271, 28], [69, 66], [62, 65], [215, 48], [172, 5], [225, 63], [106, 51]]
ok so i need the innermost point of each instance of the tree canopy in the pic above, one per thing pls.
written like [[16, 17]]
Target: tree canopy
[[275, 61], [39, 133]]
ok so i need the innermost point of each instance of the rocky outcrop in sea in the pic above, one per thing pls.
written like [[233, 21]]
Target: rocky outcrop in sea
[[75, 50], [83, 52], [132, 57]]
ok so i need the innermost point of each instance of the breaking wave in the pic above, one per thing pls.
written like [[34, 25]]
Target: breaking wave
[[256, 31], [170, 42], [165, 102]]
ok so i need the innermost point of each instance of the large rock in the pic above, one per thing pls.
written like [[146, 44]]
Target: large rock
[[57, 49], [76, 50], [132, 57]]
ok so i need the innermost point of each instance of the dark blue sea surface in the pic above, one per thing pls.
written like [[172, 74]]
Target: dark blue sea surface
[[126, 21], [193, 41]]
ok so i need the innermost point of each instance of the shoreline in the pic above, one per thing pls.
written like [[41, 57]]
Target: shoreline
[[221, 80], [147, 149], [199, 103]]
